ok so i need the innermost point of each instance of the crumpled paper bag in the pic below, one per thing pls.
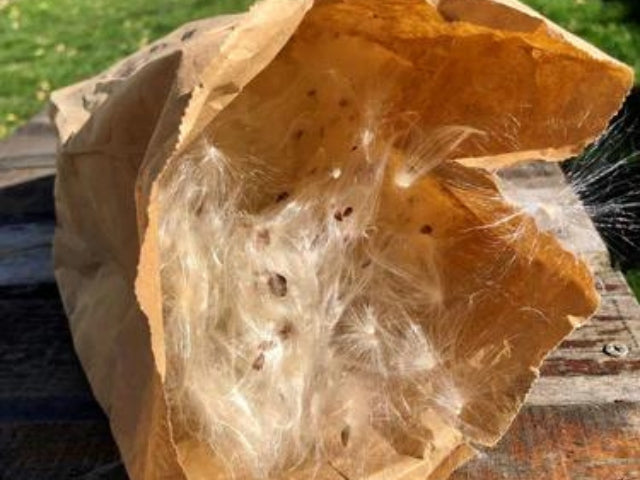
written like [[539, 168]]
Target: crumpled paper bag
[[493, 64]]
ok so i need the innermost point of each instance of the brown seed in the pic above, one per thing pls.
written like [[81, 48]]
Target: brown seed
[[258, 363], [338, 216], [282, 197], [286, 330], [267, 345], [426, 229], [347, 211], [344, 435], [298, 134], [366, 263], [278, 285], [312, 93], [354, 148], [263, 237]]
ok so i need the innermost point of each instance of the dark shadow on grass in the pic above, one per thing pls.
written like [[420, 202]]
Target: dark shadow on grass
[[633, 9]]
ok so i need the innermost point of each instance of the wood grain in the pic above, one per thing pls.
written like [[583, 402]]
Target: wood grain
[[577, 442]]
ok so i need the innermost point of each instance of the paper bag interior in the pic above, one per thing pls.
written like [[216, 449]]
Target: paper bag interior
[[342, 297]]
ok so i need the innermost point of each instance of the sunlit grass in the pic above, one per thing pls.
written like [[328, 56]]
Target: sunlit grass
[[612, 25], [46, 44]]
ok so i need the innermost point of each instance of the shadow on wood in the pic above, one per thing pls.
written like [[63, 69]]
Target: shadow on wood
[[50, 425]]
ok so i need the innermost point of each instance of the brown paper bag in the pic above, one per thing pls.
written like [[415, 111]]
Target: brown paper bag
[[494, 65]]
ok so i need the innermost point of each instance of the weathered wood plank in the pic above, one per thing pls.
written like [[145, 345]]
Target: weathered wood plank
[[615, 326], [12, 177], [577, 442], [32, 146], [586, 390]]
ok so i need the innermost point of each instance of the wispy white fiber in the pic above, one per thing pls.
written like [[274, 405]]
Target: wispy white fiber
[[288, 326]]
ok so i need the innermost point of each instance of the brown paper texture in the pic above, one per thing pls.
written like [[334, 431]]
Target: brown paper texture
[[494, 65]]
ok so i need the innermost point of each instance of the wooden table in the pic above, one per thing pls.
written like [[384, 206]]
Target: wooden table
[[581, 421]]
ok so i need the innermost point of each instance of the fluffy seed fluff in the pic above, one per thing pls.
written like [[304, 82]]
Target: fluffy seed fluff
[[292, 327], [597, 189]]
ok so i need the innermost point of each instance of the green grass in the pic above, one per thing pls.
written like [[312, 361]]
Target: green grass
[[633, 277], [609, 24], [46, 44]]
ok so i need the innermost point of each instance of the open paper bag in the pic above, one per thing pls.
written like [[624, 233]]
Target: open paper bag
[[377, 123]]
